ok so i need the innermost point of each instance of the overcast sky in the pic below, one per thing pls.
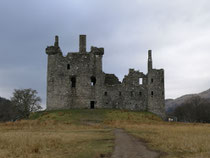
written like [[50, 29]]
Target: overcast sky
[[177, 31]]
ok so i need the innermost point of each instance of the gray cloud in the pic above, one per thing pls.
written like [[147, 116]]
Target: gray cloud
[[177, 31]]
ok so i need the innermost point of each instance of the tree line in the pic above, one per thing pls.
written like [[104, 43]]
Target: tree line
[[20, 105], [196, 109]]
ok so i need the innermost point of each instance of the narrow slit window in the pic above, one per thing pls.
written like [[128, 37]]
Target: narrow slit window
[[73, 82], [152, 93], [68, 66], [93, 81], [152, 80], [140, 81], [120, 93], [105, 93], [140, 93]]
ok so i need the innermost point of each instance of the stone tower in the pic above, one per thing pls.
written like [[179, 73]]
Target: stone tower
[[78, 81], [156, 94]]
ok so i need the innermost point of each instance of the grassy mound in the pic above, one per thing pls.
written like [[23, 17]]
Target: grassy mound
[[108, 116]]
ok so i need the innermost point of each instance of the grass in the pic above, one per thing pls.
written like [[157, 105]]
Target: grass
[[173, 140], [58, 134], [88, 133]]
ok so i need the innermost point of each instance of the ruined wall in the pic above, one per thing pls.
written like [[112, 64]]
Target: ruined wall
[[78, 81], [135, 87], [130, 94]]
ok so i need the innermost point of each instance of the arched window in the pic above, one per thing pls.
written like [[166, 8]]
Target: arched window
[[73, 82], [93, 81]]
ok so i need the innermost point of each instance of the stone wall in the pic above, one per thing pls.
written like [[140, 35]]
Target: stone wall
[[78, 81], [156, 94]]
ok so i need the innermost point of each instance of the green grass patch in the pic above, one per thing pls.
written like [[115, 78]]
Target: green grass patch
[[79, 116]]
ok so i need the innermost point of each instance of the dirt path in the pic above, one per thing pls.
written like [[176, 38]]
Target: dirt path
[[127, 146]]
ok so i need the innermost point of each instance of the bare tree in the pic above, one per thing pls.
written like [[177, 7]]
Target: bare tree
[[26, 101]]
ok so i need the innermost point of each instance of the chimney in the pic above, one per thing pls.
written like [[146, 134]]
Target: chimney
[[149, 60], [56, 44], [82, 43]]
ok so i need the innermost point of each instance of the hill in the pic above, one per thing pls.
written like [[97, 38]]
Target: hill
[[171, 104]]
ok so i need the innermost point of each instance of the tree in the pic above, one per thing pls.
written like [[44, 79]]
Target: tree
[[7, 110], [196, 109], [26, 101]]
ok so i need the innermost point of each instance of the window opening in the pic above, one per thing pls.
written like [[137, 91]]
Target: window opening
[[120, 93], [92, 104], [152, 80], [93, 81], [140, 93], [105, 93], [140, 81], [68, 66], [152, 93], [73, 82]]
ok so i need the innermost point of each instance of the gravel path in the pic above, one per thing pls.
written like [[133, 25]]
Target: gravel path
[[127, 146]]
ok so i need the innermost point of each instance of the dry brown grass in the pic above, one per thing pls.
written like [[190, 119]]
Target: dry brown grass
[[47, 139], [72, 134], [174, 140]]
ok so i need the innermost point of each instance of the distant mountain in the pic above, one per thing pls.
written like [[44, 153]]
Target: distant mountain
[[171, 104]]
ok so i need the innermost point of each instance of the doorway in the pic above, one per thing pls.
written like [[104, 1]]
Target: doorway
[[92, 104]]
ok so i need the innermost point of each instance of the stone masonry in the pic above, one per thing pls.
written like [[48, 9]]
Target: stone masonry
[[78, 81]]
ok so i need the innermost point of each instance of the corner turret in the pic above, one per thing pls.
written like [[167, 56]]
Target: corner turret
[[52, 50], [97, 51]]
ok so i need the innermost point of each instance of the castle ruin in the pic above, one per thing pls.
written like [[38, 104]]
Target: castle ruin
[[78, 81]]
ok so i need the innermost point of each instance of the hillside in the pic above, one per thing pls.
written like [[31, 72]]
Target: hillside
[[90, 116], [172, 103]]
